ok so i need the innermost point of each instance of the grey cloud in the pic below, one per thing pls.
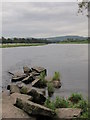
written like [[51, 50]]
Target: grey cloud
[[42, 20]]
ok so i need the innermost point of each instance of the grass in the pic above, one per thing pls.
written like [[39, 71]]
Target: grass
[[24, 90], [42, 82], [21, 45], [50, 88], [75, 98], [67, 103], [56, 76], [61, 103], [50, 104]]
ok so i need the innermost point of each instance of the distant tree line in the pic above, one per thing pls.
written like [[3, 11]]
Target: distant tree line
[[23, 40], [35, 40]]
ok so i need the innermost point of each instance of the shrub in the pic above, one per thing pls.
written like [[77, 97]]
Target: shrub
[[56, 76], [24, 90], [50, 89], [75, 98], [61, 103]]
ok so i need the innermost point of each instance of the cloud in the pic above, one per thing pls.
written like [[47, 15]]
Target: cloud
[[25, 19]]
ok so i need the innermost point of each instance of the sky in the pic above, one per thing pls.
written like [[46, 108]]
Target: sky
[[42, 19]]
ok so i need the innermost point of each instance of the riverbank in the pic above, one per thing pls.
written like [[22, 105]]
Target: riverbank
[[26, 97], [21, 45], [8, 45]]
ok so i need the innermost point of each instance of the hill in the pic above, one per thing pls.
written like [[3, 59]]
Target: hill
[[62, 38]]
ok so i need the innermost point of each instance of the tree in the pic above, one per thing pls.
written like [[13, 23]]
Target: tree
[[84, 6]]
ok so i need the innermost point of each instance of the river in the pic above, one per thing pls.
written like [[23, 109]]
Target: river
[[71, 60]]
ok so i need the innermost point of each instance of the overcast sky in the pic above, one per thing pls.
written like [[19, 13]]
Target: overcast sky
[[25, 19]]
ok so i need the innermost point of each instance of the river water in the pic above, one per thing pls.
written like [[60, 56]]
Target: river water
[[71, 60]]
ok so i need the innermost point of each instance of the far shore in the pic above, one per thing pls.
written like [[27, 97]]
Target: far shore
[[20, 45], [9, 45]]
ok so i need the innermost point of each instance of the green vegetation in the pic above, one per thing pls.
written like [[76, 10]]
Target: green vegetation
[[75, 98], [79, 102], [23, 90], [24, 40], [50, 88], [56, 76], [71, 41], [58, 103], [42, 82], [82, 104], [21, 45], [50, 104], [61, 103]]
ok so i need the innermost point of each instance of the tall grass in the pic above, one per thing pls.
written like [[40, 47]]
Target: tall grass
[[42, 82], [50, 88], [56, 76], [75, 98]]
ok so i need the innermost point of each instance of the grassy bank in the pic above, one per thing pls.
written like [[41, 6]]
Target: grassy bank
[[21, 45], [74, 101]]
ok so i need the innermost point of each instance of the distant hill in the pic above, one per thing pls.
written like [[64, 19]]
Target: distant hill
[[62, 38]]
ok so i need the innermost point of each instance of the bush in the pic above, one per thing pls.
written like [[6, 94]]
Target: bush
[[61, 103], [75, 98], [50, 89], [56, 76], [24, 90]]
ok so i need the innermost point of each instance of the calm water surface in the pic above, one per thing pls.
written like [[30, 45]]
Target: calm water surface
[[70, 60]]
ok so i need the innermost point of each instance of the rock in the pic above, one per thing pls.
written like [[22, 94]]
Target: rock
[[26, 70], [57, 83], [14, 96], [19, 74], [34, 73], [13, 89], [35, 82], [28, 80], [8, 86], [33, 108], [38, 83], [68, 113], [10, 111], [37, 96], [18, 78], [21, 84], [39, 90], [39, 69]]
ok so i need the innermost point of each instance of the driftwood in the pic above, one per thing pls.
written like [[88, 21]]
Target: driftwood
[[11, 73]]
